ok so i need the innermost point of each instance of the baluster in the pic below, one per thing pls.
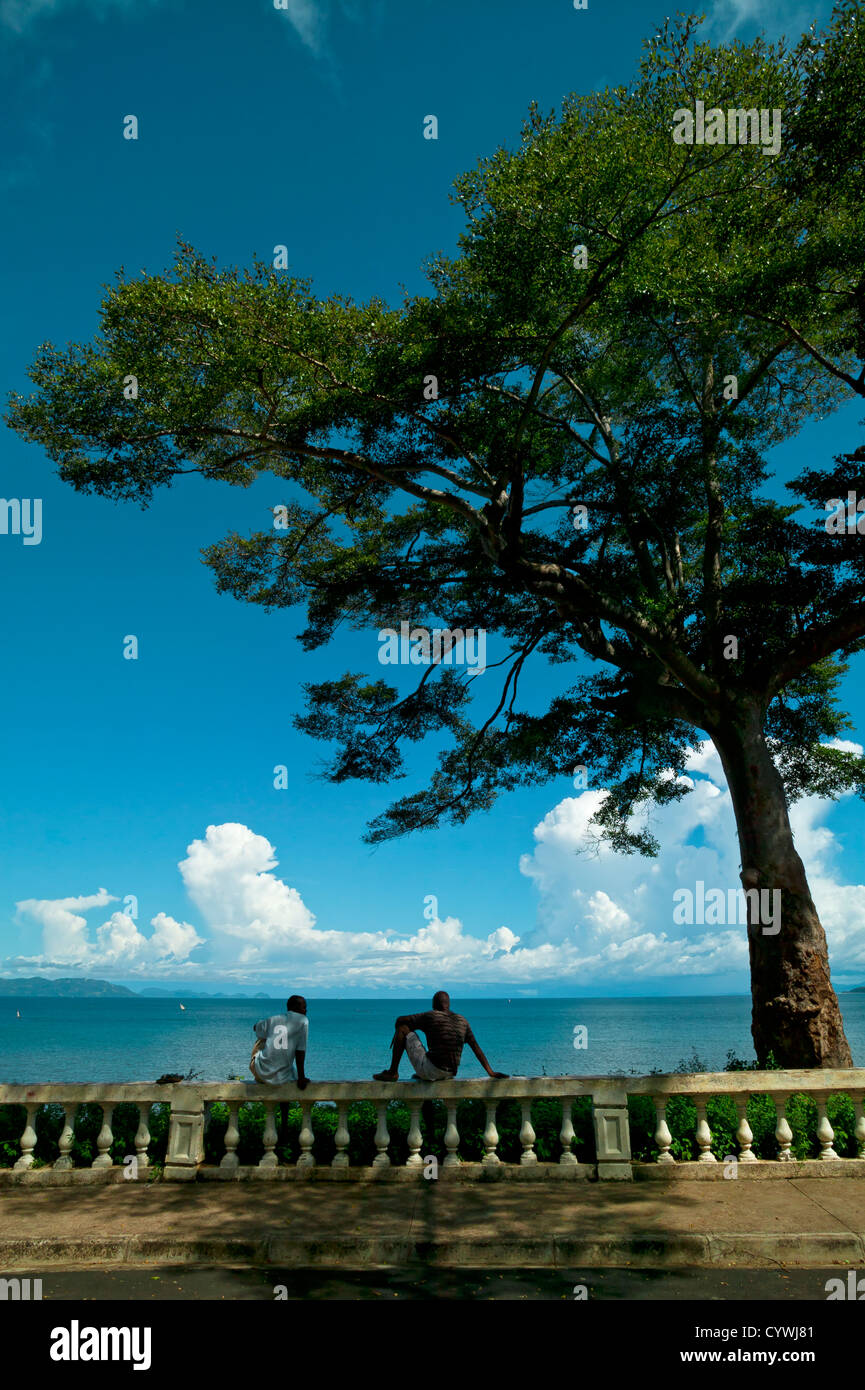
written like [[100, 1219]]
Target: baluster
[[415, 1138], [566, 1136], [67, 1136], [104, 1140], [341, 1138], [307, 1138], [527, 1135], [28, 1139], [663, 1137], [825, 1132], [859, 1131], [232, 1138], [491, 1137], [382, 1137], [783, 1132], [704, 1134], [268, 1158], [744, 1134], [452, 1137], [142, 1137]]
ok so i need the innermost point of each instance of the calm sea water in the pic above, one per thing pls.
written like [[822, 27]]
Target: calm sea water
[[138, 1039]]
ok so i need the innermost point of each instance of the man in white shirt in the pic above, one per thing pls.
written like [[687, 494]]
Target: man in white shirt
[[280, 1053]]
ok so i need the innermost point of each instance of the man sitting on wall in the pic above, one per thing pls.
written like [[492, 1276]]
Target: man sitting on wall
[[446, 1032], [279, 1055]]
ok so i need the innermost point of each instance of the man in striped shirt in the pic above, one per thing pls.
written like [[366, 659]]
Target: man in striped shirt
[[446, 1032]]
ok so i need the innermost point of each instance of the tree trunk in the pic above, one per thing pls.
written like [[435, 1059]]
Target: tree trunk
[[795, 1012]]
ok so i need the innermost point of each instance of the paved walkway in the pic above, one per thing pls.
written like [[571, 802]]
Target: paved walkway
[[805, 1222]]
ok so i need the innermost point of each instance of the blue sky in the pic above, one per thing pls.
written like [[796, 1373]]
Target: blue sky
[[303, 127]]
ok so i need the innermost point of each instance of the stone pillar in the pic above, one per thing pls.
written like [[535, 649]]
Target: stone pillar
[[185, 1136], [491, 1138], [229, 1159], [341, 1137], [612, 1133], [452, 1137], [663, 1137], [825, 1132], [527, 1135], [28, 1140], [415, 1137], [566, 1135]]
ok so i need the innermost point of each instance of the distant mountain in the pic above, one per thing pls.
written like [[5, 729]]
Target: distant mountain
[[35, 987], [153, 992], [859, 989]]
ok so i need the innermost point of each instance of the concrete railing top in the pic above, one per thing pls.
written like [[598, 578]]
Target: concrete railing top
[[812, 1081]]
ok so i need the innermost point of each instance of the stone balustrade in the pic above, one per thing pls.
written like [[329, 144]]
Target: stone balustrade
[[187, 1109], [738, 1087]]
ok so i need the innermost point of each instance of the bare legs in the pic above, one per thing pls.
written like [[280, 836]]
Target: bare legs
[[398, 1045]]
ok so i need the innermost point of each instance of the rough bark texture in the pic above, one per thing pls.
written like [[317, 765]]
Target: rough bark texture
[[795, 1012]]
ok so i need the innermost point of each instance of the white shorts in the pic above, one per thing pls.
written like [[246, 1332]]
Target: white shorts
[[419, 1058]]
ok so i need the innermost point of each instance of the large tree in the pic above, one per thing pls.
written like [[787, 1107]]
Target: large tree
[[432, 457]]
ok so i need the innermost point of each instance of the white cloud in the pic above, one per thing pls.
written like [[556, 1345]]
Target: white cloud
[[119, 943], [602, 917], [614, 912], [64, 930]]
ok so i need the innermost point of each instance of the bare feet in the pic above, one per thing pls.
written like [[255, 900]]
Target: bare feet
[[385, 1076]]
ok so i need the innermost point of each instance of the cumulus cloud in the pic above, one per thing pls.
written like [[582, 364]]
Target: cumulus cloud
[[615, 911], [64, 929], [602, 917], [118, 942], [256, 919]]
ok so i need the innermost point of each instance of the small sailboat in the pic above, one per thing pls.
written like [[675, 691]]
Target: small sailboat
[[17, 1013], [183, 1008]]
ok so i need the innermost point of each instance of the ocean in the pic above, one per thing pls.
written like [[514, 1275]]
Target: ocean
[[137, 1039]]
